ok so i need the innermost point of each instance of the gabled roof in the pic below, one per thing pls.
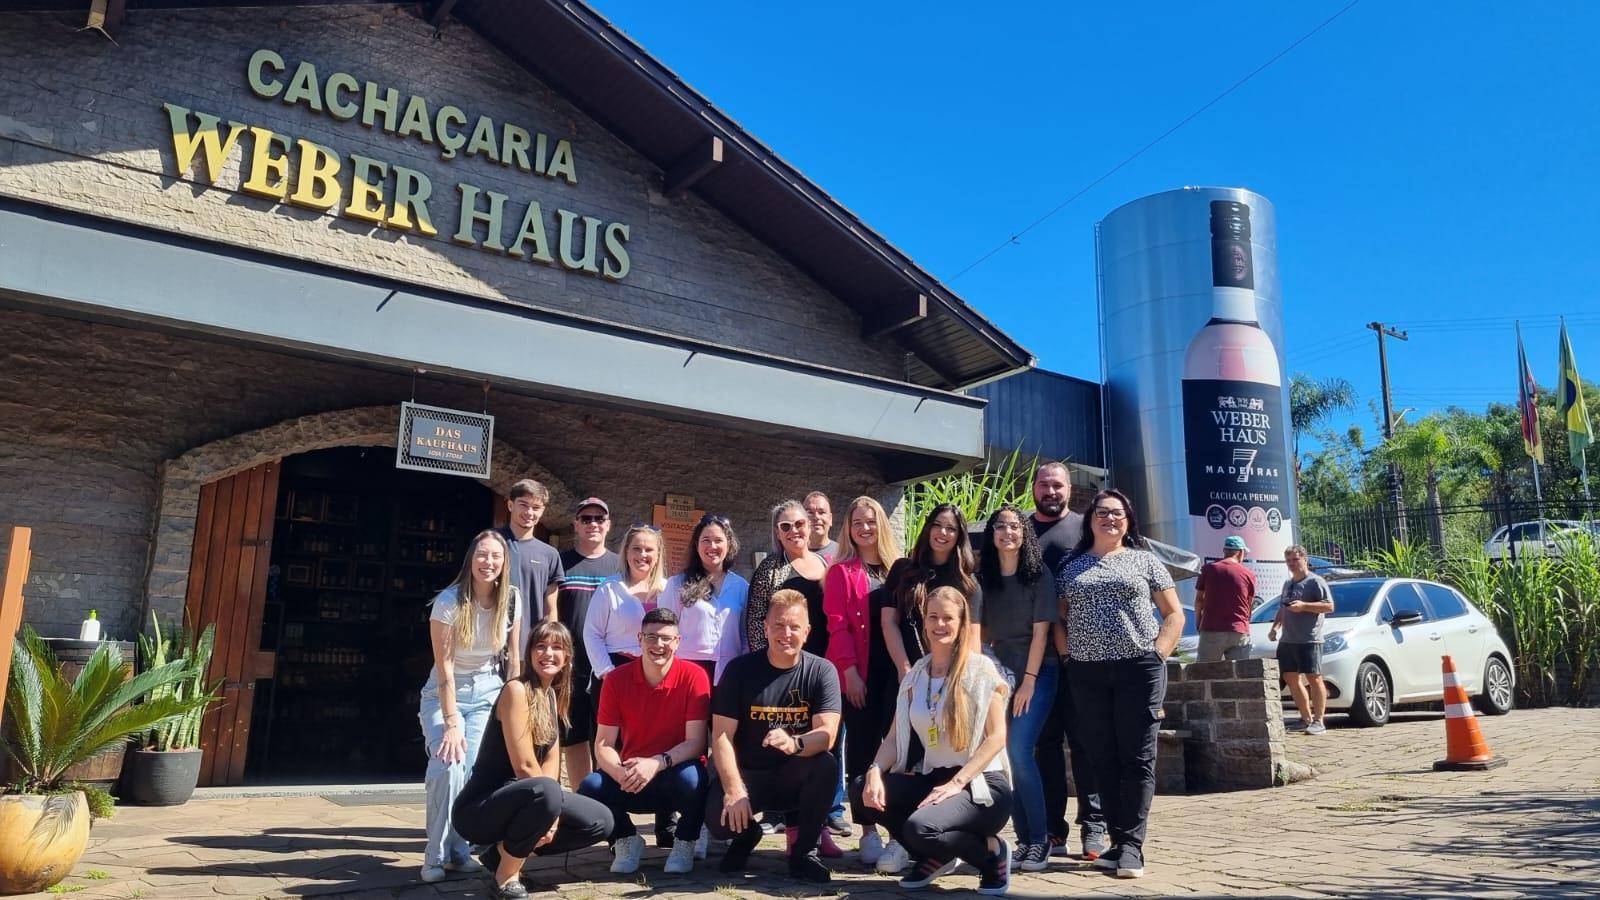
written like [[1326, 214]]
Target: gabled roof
[[603, 72]]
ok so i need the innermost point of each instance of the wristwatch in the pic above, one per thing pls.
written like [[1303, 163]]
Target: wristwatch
[[666, 759]]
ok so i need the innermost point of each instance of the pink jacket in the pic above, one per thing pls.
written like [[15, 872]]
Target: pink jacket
[[844, 599]]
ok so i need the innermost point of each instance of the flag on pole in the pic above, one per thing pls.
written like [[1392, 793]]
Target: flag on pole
[[1527, 404], [1569, 403]]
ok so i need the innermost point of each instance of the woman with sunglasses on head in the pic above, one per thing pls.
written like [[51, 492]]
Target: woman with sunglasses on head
[[472, 624], [1111, 586], [514, 802], [611, 626], [951, 805], [867, 549], [1019, 610], [709, 598]]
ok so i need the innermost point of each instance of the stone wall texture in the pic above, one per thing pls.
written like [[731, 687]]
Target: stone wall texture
[[1233, 716], [112, 429], [82, 127]]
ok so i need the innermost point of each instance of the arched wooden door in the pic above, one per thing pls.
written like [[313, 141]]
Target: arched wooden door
[[228, 588]]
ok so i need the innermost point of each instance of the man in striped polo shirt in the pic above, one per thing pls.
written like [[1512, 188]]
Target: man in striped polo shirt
[[587, 564]]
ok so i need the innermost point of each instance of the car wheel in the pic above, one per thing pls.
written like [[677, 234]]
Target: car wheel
[[1498, 696], [1372, 700]]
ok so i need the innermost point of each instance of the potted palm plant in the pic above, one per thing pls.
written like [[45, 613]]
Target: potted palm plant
[[52, 724], [164, 770]]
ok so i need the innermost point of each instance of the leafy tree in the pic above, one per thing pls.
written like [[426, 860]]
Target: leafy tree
[[1312, 403]]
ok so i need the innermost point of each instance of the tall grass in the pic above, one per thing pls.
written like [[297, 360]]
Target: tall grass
[[976, 493]]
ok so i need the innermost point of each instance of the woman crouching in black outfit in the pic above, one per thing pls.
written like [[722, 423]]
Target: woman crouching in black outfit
[[514, 801]]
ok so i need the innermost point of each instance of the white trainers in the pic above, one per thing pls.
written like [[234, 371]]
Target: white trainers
[[1316, 727], [871, 847], [681, 860], [625, 855], [703, 844], [431, 874], [894, 860]]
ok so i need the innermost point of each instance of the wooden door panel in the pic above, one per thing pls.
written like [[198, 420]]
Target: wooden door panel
[[227, 588]]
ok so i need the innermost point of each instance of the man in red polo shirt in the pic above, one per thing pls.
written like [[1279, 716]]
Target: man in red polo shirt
[[649, 745], [1224, 597]]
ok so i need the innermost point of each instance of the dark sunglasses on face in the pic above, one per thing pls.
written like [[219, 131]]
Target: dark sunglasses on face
[[592, 520], [787, 527]]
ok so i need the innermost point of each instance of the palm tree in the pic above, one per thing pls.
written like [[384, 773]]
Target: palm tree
[[1423, 448], [1312, 402]]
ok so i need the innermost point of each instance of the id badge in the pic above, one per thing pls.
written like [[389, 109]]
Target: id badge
[[933, 735]]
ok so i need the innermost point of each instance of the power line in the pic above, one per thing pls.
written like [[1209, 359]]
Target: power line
[[1015, 238]]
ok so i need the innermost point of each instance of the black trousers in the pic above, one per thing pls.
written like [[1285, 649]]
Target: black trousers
[[519, 813], [865, 728], [1119, 713], [956, 828], [801, 786], [1061, 727]]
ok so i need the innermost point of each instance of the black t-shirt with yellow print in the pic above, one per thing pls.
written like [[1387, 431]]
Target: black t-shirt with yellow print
[[762, 697]]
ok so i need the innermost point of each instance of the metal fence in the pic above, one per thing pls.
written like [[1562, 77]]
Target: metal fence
[[1344, 535]]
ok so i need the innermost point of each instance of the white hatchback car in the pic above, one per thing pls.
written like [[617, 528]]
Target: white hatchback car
[[1383, 642]]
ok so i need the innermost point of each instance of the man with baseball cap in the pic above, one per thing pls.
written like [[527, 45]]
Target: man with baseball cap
[[587, 563], [1223, 599]]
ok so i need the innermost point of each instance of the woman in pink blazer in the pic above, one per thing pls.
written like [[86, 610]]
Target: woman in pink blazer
[[867, 548]]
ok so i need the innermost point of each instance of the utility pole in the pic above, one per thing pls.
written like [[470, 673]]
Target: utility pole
[[1396, 495]]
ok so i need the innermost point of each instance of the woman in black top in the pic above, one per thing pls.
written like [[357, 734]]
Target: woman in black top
[[514, 801], [791, 566], [941, 557]]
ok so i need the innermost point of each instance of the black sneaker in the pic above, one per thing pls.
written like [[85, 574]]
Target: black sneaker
[[1108, 859], [839, 826], [994, 878], [924, 871], [511, 890], [738, 852], [1058, 845], [809, 868], [1130, 863]]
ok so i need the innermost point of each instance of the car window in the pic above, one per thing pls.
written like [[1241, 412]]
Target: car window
[[1527, 531], [1442, 602], [1352, 598], [1499, 534], [1403, 596], [1266, 613]]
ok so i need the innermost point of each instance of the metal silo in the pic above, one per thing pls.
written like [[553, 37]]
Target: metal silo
[[1196, 392]]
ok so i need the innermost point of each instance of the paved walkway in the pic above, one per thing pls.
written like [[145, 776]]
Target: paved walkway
[[1377, 822]]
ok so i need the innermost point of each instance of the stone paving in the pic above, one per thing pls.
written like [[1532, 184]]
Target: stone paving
[[1376, 822]]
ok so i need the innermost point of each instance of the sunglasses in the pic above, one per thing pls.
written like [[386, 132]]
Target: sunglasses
[[714, 519], [592, 520], [787, 527]]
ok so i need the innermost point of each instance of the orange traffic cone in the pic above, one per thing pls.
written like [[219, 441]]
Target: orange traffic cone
[[1465, 748]]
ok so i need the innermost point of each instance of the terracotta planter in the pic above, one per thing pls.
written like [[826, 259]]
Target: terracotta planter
[[41, 839], [160, 777]]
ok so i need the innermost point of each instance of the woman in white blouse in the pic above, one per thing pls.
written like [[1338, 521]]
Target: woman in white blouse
[[616, 611], [953, 805], [709, 598]]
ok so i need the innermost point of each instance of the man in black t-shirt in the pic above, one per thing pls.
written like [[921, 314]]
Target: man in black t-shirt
[[535, 565], [1058, 529], [586, 566], [774, 716]]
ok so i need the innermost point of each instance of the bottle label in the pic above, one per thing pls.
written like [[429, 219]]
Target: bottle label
[[1236, 464]]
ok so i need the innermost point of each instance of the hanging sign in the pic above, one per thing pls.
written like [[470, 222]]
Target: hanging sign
[[451, 441]]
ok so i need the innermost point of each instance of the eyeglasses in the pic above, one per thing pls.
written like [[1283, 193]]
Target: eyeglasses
[[661, 639], [1101, 512], [787, 527], [592, 520]]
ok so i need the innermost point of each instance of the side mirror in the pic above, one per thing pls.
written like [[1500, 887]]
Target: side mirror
[[1405, 617]]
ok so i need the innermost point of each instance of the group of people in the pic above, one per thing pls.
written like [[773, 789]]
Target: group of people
[[932, 691]]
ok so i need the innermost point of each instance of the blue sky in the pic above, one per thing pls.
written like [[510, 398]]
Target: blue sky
[[1433, 166]]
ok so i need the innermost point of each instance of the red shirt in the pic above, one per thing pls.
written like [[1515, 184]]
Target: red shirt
[[1230, 588], [651, 720]]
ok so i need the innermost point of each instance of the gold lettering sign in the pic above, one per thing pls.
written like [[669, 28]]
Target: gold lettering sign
[[291, 169]]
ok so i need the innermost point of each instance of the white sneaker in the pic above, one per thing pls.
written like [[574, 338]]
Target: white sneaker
[[1316, 727], [626, 855], [894, 860], [431, 874], [703, 844], [871, 847], [681, 860]]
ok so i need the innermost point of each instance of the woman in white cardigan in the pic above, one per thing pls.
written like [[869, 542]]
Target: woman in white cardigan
[[952, 805]]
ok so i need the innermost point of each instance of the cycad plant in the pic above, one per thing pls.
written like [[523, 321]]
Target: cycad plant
[[56, 723], [977, 493], [177, 646]]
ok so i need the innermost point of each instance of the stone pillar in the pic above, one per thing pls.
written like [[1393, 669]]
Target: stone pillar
[[1233, 716]]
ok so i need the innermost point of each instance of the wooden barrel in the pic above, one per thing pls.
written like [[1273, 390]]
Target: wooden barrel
[[102, 769]]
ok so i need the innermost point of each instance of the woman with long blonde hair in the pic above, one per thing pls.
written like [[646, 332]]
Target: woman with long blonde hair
[[472, 629], [616, 611], [952, 806], [867, 548], [514, 802]]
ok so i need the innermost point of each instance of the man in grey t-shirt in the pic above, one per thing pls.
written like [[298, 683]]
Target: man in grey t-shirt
[[1305, 600]]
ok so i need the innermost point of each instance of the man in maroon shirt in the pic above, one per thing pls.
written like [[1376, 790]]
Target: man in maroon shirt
[[649, 745], [1224, 596]]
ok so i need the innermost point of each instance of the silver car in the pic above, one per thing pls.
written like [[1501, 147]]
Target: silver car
[[1383, 642]]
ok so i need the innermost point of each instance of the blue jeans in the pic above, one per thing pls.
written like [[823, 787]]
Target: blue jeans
[[1027, 812], [475, 697], [680, 789]]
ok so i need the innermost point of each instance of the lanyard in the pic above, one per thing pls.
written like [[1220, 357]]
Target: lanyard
[[931, 700]]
